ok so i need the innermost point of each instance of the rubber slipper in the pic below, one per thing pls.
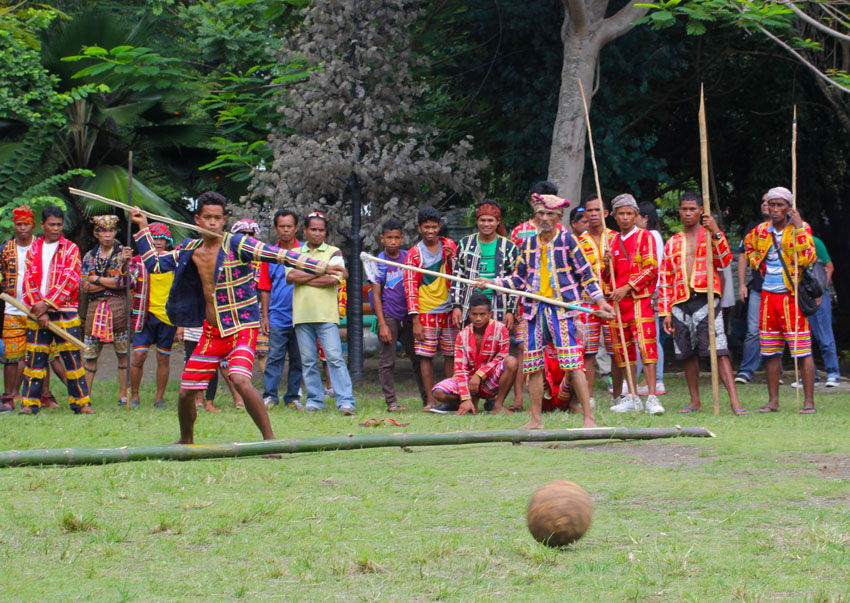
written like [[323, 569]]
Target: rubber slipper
[[740, 411], [395, 407], [395, 423], [766, 409], [370, 423], [688, 410], [808, 411]]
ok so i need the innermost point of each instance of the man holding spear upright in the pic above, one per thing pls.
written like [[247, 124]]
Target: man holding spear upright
[[771, 248], [551, 264], [214, 286]]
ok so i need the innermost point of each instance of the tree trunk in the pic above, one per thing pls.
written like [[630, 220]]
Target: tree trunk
[[566, 159]]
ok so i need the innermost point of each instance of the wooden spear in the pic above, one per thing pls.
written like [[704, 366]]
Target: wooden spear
[[128, 301], [179, 452], [114, 203], [796, 259], [50, 326], [629, 378], [366, 258], [709, 253]]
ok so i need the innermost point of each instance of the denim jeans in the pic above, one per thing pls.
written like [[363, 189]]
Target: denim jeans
[[328, 335], [752, 350], [820, 324], [281, 341]]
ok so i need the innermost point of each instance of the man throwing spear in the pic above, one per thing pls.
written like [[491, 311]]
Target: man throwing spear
[[552, 264], [771, 247], [214, 286], [683, 299]]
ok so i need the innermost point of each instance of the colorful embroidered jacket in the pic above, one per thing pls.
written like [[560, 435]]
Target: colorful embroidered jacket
[[593, 254], [758, 241], [468, 265], [642, 273], [571, 274], [114, 269], [236, 305], [676, 284], [522, 232], [472, 360], [9, 270], [412, 279], [141, 283], [63, 281]]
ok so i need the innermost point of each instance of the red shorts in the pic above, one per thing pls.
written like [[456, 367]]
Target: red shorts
[[212, 349], [437, 333], [639, 328], [776, 326], [597, 329]]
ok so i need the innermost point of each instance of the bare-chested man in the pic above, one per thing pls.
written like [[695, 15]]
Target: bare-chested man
[[214, 287], [683, 299]]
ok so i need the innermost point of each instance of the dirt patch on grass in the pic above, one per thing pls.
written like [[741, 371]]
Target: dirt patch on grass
[[826, 466], [656, 455]]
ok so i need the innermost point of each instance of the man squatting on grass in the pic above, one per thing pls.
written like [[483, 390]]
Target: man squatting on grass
[[214, 286], [634, 263], [428, 299], [484, 367], [683, 299], [552, 264], [786, 231]]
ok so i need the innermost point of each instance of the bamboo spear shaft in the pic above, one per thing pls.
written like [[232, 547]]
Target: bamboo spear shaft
[[365, 257], [621, 330], [50, 326], [796, 259], [709, 253], [128, 301], [180, 452], [114, 203]]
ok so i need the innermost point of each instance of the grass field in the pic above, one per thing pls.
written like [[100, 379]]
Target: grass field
[[762, 512]]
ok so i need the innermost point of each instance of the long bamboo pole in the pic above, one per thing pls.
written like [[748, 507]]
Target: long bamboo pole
[[50, 326], [179, 452], [621, 330], [709, 253], [366, 257], [796, 259], [128, 302], [114, 203]]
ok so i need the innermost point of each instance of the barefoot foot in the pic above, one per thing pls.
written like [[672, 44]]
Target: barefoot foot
[[533, 425]]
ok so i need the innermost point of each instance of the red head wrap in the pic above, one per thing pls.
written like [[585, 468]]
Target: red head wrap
[[23, 214], [491, 209], [161, 231]]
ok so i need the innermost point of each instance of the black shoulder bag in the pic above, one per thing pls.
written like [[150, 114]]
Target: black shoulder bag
[[812, 283]]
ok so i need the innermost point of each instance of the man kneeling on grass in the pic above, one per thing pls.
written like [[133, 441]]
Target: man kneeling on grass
[[483, 365]]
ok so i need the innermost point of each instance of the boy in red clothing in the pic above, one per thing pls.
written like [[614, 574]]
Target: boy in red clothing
[[484, 367], [634, 262]]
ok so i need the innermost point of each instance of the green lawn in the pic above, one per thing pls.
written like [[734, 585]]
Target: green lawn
[[759, 513]]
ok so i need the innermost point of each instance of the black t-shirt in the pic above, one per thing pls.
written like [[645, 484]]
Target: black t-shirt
[[757, 279]]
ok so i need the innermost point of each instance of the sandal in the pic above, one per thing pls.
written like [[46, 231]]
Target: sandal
[[740, 411], [688, 410], [48, 401], [376, 422], [808, 411], [395, 407], [766, 409]]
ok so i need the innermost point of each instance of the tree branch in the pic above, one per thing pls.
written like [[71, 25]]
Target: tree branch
[[814, 22], [577, 9], [619, 23]]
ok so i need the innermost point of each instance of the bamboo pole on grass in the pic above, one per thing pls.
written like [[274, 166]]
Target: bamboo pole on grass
[[709, 253], [180, 452], [629, 379]]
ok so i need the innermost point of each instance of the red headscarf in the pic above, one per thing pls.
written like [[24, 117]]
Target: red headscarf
[[491, 209], [23, 214]]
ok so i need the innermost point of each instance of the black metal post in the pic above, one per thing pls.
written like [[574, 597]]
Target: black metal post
[[355, 286]]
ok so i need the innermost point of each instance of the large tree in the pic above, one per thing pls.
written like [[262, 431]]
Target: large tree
[[348, 144], [584, 32]]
